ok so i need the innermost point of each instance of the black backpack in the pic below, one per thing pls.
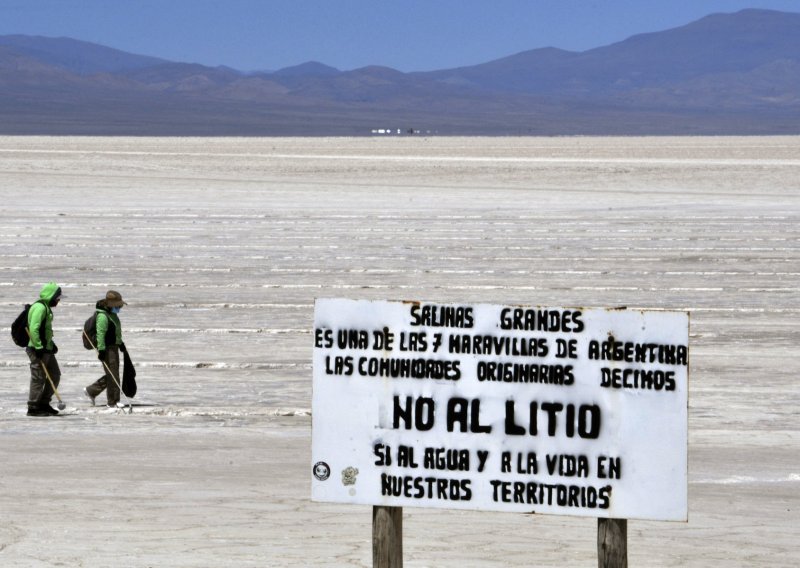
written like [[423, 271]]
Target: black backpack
[[90, 332], [19, 329]]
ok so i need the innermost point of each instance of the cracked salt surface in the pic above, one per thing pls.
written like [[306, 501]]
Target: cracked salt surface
[[220, 246]]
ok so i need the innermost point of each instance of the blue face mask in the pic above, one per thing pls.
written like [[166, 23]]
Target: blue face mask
[[115, 310]]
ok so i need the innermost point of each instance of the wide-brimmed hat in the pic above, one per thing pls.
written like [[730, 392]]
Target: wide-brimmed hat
[[114, 299]]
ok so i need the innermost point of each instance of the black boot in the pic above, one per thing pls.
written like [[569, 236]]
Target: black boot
[[39, 411]]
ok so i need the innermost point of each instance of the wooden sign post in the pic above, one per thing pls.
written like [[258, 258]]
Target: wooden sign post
[[387, 537], [612, 543]]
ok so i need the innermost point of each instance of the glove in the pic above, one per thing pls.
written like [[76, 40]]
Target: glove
[[123, 348], [39, 353], [101, 354]]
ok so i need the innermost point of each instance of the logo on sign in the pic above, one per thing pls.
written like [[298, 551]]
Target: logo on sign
[[322, 471]]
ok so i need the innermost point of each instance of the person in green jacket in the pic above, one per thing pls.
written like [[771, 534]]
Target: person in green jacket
[[41, 351], [109, 345]]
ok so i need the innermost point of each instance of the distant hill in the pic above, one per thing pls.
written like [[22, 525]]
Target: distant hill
[[687, 66], [723, 74], [76, 56]]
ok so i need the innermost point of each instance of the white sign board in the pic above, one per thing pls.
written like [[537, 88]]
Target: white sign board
[[567, 411]]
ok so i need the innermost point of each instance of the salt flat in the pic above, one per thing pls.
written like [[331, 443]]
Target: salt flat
[[220, 246]]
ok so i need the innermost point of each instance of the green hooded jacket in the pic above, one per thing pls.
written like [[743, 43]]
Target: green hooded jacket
[[40, 319], [106, 319]]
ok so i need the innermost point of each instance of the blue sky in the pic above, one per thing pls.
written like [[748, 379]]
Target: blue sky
[[410, 35]]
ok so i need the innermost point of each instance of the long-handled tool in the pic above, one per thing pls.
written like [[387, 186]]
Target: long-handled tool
[[61, 405], [110, 374]]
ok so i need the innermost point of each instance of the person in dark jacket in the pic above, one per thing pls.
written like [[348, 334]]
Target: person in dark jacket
[[41, 351], [109, 346]]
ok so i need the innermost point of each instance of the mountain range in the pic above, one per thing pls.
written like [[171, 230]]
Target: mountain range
[[733, 73]]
